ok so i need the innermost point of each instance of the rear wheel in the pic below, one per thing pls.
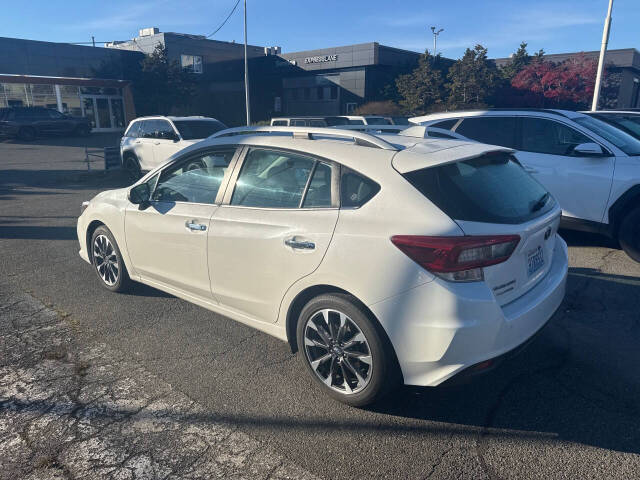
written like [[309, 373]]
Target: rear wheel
[[344, 351], [27, 133], [132, 167], [629, 234], [107, 261]]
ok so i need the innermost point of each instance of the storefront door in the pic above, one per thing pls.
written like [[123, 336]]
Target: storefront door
[[106, 113]]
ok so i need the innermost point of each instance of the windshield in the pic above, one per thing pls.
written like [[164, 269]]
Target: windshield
[[490, 189], [197, 129], [622, 140], [628, 123]]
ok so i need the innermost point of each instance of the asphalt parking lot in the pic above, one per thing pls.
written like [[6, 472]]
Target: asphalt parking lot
[[566, 407]]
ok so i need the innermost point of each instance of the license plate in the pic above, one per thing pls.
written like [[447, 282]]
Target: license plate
[[535, 260]]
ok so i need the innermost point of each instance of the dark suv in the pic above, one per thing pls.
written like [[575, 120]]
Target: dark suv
[[27, 123]]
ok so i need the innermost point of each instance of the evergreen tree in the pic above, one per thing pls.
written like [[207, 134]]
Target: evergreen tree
[[472, 79], [423, 89], [519, 60], [164, 87]]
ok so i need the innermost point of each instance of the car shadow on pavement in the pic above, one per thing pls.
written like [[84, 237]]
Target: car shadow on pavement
[[37, 232], [576, 238], [94, 140], [578, 381]]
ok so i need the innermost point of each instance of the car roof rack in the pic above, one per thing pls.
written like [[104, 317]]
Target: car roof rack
[[307, 133]]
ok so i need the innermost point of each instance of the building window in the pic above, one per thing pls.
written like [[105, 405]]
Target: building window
[[333, 92], [351, 107], [307, 93], [191, 63], [320, 93]]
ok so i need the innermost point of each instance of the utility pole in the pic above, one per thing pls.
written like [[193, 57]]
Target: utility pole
[[93, 40], [246, 67], [603, 50], [435, 38]]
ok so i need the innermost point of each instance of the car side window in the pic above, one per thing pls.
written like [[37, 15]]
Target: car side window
[[54, 114], [195, 180], [272, 179], [164, 130], [318, 193], [147, 129], [134, 130], [355, 189], [540, 135], [492, 130], [279, 123]]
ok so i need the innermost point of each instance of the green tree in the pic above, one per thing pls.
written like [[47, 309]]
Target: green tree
[[472, 79], [518, 61], [163, 87], [423, 89]]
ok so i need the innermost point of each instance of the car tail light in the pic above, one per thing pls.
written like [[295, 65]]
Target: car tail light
[[457, 259]]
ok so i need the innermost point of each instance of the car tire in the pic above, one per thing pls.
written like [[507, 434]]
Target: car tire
[[82, 130], [27, 134], [629, 234], [107, 261], [345, 350], [132, 167]]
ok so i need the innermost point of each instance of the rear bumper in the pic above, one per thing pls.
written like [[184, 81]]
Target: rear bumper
[[440, 328]]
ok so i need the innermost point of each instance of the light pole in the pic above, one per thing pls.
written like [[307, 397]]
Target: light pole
[[246, 68], [603, 49], [435, 38]]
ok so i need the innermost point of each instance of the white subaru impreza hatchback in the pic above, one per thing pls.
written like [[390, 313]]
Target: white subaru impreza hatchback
[[381, 259]]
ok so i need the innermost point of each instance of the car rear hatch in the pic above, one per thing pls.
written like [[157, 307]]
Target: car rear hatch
[[493, 199]]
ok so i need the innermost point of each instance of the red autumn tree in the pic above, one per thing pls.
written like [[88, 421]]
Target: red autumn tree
[[546, 84]]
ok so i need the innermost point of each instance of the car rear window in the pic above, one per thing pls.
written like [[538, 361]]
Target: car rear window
[[492, 188], [197, 129]]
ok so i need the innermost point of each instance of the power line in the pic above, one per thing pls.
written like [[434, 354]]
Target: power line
[[225, 20]]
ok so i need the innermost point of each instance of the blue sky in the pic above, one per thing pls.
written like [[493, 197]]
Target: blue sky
[[555, 25]]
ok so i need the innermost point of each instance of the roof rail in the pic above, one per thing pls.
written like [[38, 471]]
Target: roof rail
[[360, 138]]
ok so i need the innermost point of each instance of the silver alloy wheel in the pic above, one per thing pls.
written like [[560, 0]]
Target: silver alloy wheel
[[337, 351], [106, 260]]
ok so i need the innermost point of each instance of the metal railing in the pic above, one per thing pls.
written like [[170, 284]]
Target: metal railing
[[110, 156], [308, 133]]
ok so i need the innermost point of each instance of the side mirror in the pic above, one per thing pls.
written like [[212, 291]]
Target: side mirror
[[589, 149], [140, 195]]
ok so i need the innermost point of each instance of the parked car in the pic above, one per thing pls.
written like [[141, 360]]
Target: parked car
[[150, 141], [367, 120], [382, 263], [28, 123], [626, 120], [398, 120], [590, 166], [328, 121]]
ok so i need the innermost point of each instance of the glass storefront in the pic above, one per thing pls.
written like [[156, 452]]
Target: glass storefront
[[102, 105]]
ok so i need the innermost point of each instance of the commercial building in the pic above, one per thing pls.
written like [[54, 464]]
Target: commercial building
[[74, 79], [622, 64], [100, 82]]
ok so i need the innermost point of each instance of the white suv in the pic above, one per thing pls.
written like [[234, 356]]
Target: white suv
[[381, 262], [150, 141], [590, 166]]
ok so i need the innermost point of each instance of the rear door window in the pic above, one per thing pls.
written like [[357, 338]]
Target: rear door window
[[490, 189], [445, 124], [272, 179], [492, 130]]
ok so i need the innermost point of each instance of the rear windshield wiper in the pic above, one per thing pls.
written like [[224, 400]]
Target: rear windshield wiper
[[540, 203]]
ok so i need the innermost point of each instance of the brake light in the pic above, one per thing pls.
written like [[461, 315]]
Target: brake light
[[458, 259]]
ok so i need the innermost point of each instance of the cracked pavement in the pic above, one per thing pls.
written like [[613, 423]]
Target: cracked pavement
[[566, 407], [85, 411]]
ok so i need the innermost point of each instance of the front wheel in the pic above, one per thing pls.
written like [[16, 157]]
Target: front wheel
[[132, 167], [344, 350], [629, 234], [107, 261]]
